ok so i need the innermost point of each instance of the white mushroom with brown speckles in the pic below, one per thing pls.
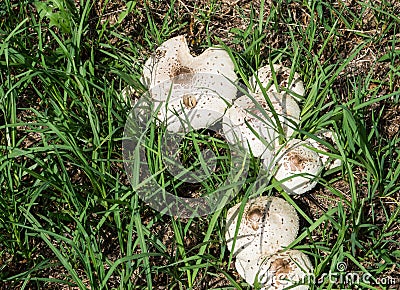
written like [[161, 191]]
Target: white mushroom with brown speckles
[[277, 271], [172, 65], [298, 167], [189, 91], [268, 224]]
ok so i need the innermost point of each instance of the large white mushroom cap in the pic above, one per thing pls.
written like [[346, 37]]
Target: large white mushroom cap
[[250, 121], [173, 67], [278, 271], [294, 85], [186, 91], [267, 225], [298, 167]]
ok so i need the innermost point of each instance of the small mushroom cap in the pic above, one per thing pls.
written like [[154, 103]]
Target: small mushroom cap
[[288, 111], [244, 123], [278, 271], [267, 225], [264, 74], [300, 163], [257, 137]]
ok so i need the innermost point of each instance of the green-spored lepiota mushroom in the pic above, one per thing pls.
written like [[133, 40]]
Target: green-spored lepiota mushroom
[[250, 122], [267, 225], [182, 86], [172, 65], [282, 270], [297, 167], [293, 84], [172, 61]]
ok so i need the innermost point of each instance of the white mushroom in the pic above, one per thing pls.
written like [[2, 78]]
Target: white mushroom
[[288, 111], [192, 111], [267, 225], [330, 137], [298, 167], [187, 91], [278, 271], [250, 121], [294, 85], [173, 67]]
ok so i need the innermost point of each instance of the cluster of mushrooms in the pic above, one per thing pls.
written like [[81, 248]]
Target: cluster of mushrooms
[[191, 93]]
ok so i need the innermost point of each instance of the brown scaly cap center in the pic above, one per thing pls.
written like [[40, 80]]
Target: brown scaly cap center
[[254, 216], [296, 161], [182, 70], [281, 267], [181, 74], [281, 78]]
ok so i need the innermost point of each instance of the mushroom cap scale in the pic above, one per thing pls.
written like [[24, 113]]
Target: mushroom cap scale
[[267, 225]]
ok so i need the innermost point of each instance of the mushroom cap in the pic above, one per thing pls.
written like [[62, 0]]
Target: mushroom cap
[[267, 225], [169, 60], [192, 111], [278, 271], [330, 137], [294, 85], [187, 91], [215, 71], [250, 122], [173, 67], [295, 159]]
